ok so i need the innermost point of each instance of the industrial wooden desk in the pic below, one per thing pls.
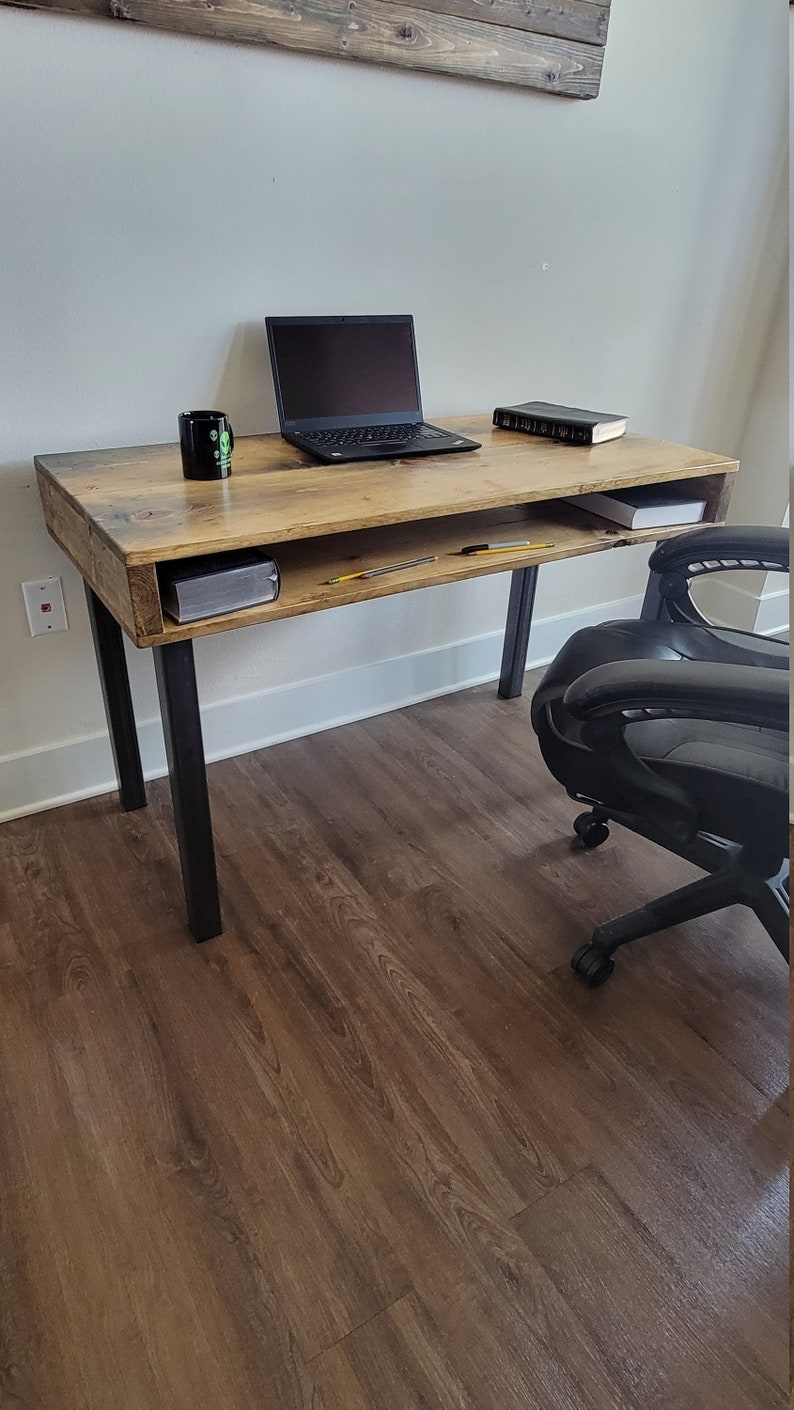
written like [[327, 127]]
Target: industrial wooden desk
[[119, 514]]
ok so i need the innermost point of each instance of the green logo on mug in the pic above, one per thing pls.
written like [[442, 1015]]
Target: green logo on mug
[[226, 448]]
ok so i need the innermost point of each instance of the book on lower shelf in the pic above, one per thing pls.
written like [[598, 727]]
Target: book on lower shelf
[[561, 423], [642, 506], [215, 583]]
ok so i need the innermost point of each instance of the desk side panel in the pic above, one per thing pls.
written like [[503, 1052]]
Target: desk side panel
[[717, 491], [130, 594]]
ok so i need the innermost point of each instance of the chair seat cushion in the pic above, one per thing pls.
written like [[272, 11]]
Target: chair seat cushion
[[733, 773]]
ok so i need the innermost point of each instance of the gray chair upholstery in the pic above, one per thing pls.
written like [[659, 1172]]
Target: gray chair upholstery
[[678, 731]]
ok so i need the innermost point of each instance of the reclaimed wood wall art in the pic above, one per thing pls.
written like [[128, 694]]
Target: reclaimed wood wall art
[[557, 46]]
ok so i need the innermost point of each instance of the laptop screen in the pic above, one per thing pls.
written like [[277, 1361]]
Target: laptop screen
[[333, 371]]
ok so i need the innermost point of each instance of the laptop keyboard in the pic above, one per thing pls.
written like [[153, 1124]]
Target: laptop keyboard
[[374, 435]]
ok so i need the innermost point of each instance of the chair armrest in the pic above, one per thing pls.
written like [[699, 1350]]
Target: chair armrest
[[713, 550], [703, 690]]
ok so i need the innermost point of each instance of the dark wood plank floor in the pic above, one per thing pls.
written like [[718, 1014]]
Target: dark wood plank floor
[[375, 1148]]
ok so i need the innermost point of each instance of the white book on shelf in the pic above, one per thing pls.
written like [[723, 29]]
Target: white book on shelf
[[215, 583], [642, 506]]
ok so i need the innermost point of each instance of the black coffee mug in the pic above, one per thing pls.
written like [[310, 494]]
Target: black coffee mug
[[206, 440]]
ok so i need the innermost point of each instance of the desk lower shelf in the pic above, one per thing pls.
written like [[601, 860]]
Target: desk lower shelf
[[307, 566]]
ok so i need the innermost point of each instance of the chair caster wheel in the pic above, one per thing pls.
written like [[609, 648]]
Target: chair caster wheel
[[591, 832], [593, 966]]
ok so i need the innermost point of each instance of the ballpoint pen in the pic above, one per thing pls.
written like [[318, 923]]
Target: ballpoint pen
[[503, 547], [376, 572]]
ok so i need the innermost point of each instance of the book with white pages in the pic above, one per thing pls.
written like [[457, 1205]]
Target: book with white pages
[[642, 506], [215, 583]]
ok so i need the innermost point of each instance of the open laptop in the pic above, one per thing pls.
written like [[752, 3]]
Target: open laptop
[[348, 389]]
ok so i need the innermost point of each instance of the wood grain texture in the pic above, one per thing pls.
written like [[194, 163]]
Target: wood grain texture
[[375, 1148], [132, 507], [586, 21], [598, 1253], [307, 568], [141, 505], [130, 592], [555, 47]]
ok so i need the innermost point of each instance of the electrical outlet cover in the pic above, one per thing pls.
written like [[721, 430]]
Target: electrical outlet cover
[[45, 606]]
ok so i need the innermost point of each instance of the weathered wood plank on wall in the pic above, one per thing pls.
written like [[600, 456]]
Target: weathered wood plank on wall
[[555, 47], [583, 21]]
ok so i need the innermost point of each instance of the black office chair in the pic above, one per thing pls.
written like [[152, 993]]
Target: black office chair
[[674, 565], [679, 731]]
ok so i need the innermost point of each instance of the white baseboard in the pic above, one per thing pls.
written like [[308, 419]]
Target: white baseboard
[[773, 613], [83, 768], [731, 604]]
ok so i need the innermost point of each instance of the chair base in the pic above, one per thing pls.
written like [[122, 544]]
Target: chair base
[[705, 850], [731, 885]]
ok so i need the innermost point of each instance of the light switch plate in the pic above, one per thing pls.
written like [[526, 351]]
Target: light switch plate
[[45, 606]]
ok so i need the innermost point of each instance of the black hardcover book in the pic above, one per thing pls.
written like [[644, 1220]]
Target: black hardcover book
[[214, 583], [560, 423]]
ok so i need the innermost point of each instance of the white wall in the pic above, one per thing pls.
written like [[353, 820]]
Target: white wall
[[162, 194], [757, 601]]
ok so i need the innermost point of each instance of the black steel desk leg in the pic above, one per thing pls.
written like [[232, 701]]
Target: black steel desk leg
[[519, 621], [184, 746], [115, 682]]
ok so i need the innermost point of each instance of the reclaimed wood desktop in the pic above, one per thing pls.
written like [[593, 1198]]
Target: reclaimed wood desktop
[[120, 514]]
